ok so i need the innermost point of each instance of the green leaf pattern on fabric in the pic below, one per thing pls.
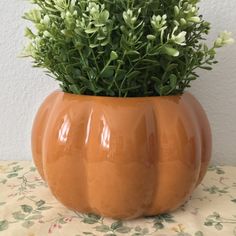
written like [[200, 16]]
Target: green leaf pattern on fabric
[[28, 207]]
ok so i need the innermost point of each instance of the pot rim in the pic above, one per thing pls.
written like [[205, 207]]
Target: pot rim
[[121, 98]]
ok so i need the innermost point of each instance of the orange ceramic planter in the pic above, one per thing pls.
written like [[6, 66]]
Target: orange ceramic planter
[[121, 157]]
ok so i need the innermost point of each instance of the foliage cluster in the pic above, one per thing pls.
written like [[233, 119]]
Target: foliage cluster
[[123, 48]]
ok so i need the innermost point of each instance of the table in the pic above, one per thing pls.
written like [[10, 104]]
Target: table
[[27, 208]]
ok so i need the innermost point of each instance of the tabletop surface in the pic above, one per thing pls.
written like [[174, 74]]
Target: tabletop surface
[[27, 208]]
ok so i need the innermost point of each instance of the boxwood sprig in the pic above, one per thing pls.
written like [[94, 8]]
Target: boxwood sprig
[[123, 48]]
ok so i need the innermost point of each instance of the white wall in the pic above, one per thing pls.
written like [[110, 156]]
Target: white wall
[[23, 88]]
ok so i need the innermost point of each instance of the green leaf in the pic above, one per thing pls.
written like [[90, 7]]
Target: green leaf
[[12, 175], [131, 88], [70, 79], [104, 43], [157, 80], [158, 225], [93, 216], [151, 37], [170, 51], [190, 78], [18, 215], [91, 30], [17, 168], [44, 208], [113, 56], [173, 81], [123, 229], [93, 45], [108, 72], [157, 88], [199, 233], [3, 225], [74, 88], [121, 74], [102, 228], [26, 208], [36, 212], [167, 216], [40, 203], [132, 53], [34, 217], [27, 224], [28, 33], [151, 62], [89, 221], [219, 226], [103, 17], [100, 38], [164, 90], [219, 171], [208, 223], [117, 224], [206, 67], [33, 15], [133, 74], [212, 52], [171, 67]]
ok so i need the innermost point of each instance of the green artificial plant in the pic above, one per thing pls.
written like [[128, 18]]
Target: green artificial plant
[[123, 48]]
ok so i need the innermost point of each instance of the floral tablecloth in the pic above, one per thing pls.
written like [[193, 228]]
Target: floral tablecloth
[[27, 208]]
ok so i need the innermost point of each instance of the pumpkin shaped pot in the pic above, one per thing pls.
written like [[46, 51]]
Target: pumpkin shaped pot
[[121, 157]]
